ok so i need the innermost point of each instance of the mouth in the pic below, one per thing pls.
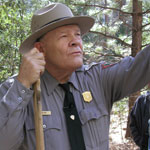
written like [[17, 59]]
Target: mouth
[[77, 53]]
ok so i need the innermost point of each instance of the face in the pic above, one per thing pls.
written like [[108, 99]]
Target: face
[[62, 48]]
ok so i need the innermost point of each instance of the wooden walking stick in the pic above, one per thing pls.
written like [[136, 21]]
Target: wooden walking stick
[[38, 116]]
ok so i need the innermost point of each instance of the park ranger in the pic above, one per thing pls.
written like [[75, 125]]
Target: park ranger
[[76, 98]]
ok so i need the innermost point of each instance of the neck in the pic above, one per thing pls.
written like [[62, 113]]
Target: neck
[[62, 76]]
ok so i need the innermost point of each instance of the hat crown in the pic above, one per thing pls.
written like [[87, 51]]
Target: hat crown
[[49, 14], [51, 17]]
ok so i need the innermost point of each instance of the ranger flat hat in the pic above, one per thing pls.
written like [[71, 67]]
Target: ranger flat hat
[[51, 17]]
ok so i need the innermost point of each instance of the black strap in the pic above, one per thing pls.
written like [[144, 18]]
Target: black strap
[[72, 120]]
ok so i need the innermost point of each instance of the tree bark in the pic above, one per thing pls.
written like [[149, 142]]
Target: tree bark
[[136, 47], [137, 27]]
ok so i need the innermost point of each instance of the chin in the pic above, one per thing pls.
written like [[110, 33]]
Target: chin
[[75, 64], [78, 65]]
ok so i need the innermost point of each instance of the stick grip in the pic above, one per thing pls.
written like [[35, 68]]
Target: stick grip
[[38, 116]]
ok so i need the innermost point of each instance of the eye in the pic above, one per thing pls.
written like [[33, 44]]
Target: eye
[[78, 34], [64, 35]]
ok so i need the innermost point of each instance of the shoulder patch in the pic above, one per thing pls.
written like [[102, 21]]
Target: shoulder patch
[[106, 65]]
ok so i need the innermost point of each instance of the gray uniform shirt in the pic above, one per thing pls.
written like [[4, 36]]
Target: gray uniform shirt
[[106, 85]]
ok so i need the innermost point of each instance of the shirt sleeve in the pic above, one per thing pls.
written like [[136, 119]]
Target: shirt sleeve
[[14, 98], [126, 77]]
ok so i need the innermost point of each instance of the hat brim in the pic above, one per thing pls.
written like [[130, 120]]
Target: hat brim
[[84, 23]]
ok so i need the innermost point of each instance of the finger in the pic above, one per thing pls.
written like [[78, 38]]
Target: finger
[[42, 71], [40, 62], [33, 51], [39, 56]]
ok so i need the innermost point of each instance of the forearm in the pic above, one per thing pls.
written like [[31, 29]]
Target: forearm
[[13, 101], [127, 76]]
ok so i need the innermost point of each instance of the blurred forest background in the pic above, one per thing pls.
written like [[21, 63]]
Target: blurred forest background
[[121, 29]]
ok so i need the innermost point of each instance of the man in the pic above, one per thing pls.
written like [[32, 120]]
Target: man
[[139, 124], [54, 54]]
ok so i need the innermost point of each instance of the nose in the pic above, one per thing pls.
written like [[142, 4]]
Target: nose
[[75, 41]]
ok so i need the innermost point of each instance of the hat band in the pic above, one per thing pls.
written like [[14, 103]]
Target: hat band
[[54, 21]]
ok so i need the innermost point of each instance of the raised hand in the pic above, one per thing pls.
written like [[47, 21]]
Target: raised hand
[[32, 66]]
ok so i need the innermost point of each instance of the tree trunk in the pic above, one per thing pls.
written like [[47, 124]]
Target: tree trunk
[[136, 47]]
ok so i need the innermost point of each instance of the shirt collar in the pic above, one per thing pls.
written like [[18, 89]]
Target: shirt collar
[[49, 82], [73, 80]]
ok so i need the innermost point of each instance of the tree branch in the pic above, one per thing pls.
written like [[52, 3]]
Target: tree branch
[[112, 37], [145, 30], [104, 7], [145, 25], [114, 55], [146, 12], [112, 8], [145, 45]]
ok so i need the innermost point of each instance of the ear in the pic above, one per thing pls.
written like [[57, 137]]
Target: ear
[[38, 45]]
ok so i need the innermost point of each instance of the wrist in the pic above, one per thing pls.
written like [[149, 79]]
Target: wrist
[[24, 82]]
